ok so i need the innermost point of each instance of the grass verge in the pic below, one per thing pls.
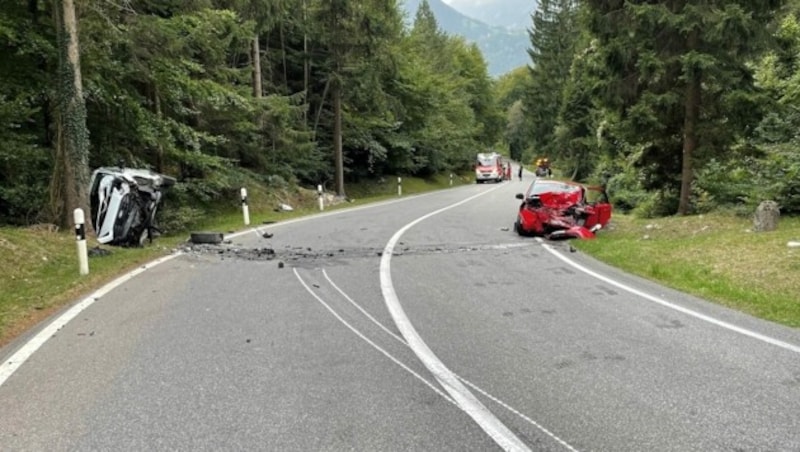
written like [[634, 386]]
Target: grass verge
[[715, 256]]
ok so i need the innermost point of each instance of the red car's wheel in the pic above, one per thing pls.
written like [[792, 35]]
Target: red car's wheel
[[518, 228]]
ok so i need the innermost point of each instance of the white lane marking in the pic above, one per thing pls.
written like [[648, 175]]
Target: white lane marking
[[17, 359], [467, 382], [665, 303], [501, 434], [368, 341]]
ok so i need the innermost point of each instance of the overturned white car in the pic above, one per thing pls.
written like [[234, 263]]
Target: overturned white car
[[124, 203]]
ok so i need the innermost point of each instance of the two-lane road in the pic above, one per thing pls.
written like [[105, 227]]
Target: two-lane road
[[423, 323]]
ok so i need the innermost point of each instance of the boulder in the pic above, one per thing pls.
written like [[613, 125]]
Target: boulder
[[766, 217]]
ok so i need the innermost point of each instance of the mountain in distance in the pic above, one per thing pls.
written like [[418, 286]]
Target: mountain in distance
[[503, 49], [513, 14]]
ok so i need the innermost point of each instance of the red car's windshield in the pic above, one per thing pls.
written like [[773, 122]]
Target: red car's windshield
[[539, 187]]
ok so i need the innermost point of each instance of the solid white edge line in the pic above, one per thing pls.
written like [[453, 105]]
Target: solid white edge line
[[485, 419], [16, 360], [665, 303]]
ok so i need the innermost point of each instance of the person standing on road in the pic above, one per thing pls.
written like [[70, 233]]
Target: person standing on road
[[520, 173]]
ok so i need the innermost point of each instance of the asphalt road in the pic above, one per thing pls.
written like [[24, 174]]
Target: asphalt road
[[423, 323]]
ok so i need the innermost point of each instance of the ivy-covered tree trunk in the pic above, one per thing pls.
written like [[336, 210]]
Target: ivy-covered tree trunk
[[70, 184]]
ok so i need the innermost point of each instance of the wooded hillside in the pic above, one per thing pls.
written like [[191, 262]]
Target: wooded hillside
[[213, 92]]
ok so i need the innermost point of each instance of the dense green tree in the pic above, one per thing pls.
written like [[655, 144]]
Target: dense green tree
[[214, 91], [554, 38], [776, 171], [515, 134], [677, 75], [27, 63], [575, 135], [511, 87]]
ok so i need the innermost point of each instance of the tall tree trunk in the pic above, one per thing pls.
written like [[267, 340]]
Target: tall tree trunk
[[283, 58], [69, 186], [690, 120], [337, 135], [159, 147], [256, 61], [306, 62]]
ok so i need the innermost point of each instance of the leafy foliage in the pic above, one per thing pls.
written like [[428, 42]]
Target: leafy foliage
[[170, 86]]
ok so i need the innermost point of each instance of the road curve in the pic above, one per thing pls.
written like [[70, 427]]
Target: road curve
[[423, 323]]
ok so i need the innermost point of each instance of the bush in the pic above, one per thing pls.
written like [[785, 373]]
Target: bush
[[723, 184], [778, 179], [625, 190], [657, 204]]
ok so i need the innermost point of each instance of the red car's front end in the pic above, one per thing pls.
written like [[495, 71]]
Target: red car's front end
[[560, 210]]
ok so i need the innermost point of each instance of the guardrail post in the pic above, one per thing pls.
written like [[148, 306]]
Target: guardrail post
[[245, 209], [80, 239]]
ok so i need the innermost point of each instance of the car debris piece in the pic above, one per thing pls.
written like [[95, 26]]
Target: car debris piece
[[213, 238], [98, 252]]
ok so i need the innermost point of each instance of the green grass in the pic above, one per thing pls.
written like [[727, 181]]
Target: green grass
[[714, 256]]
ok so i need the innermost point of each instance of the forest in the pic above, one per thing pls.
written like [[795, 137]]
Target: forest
[[679, 107], [682, 107]]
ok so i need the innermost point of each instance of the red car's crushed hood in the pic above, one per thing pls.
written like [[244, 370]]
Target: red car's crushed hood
[[563, 214]]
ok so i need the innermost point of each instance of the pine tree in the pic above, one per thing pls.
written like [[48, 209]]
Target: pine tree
[[678, 76], [553, 41]]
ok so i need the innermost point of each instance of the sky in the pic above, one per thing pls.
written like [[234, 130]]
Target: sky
[[468, 2]]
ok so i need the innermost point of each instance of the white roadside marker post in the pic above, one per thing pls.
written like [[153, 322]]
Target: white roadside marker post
[[245, 209], [319, 193], [399, 186], [80, 239], [451, 179]]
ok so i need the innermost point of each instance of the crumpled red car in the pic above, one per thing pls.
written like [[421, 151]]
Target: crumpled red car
[[562, 210]]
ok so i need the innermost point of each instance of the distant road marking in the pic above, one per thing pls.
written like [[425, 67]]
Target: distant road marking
[[501, 434], [10, 365], [329, 213], [665, 303]]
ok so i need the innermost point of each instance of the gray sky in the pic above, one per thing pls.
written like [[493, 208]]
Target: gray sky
[[468, 2]]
